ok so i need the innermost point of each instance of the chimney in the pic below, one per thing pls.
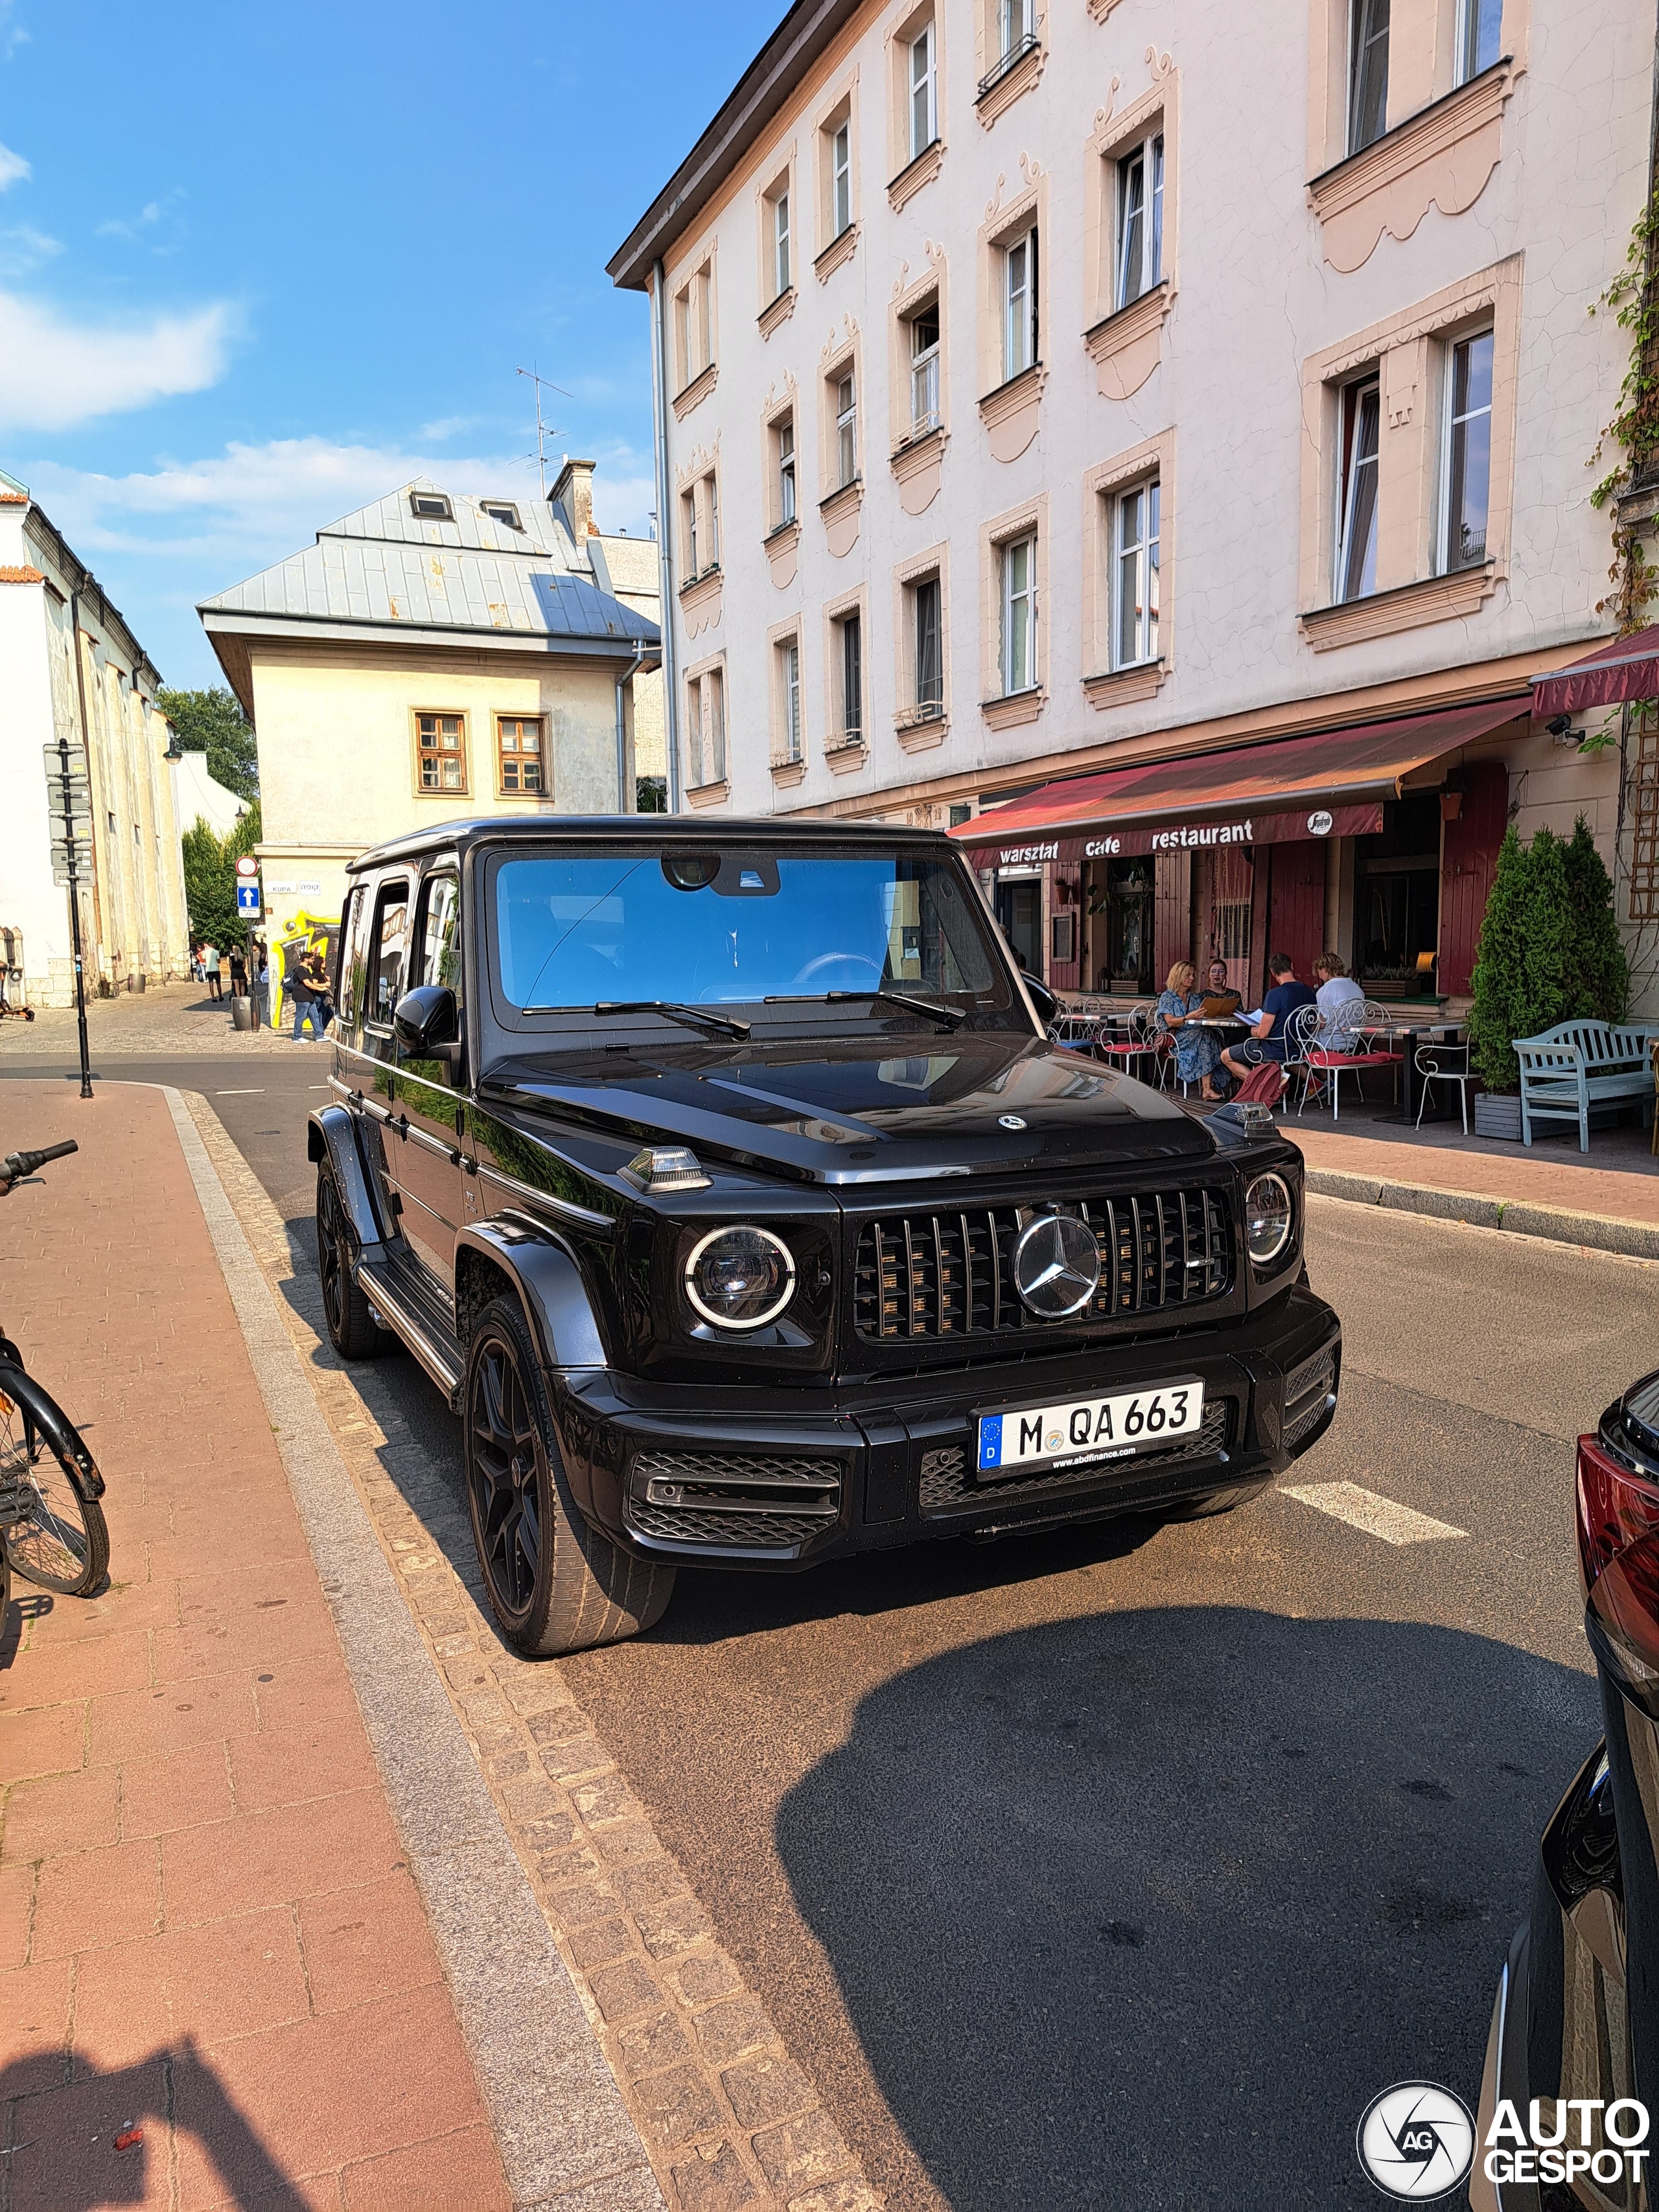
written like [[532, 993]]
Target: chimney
[[573, 494]]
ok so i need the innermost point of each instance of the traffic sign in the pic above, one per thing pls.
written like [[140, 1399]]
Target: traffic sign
[[246, 865], [248, 899], [66, 760]]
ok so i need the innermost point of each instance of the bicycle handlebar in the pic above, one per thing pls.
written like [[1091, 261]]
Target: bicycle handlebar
[[16, 1165]]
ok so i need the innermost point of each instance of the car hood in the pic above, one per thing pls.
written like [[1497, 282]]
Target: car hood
[[862, 1109]]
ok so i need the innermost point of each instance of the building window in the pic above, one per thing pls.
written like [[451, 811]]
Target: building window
[[783, 434], [1136, 575], [502, 511], [519, 753], [841, 180], [711, 501], [924, 370], [1139, 220], [1467, 467], [1368, 72], [689, 535], [1015, 26], [693, 333], [779, 244], [442, 742], [700, 528], [928, 634], [924, 92], [431, 506], [850, 678], [1355, 545], [846, 430], [1019, 640], [789, 719], [1480, 37], [1020, 304], [705, 726]]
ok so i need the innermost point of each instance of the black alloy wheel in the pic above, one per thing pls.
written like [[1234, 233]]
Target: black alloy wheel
[[506, 1476], [352, 1329]]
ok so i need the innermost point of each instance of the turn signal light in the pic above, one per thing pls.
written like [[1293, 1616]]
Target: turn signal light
[[1618, 1555]]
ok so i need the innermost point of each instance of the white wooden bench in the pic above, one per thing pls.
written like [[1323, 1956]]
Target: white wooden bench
[[1579, 1065]]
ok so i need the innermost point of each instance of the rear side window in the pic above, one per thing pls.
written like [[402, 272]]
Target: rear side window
[[438, 936], [388, 953]]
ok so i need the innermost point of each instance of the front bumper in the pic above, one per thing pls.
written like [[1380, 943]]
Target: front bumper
[[780, 1480]]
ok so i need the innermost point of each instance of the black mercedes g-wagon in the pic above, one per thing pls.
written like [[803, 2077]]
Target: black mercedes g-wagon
[[724, 1179]]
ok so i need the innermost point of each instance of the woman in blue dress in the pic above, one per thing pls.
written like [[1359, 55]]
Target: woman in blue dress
[[1197, 1050]]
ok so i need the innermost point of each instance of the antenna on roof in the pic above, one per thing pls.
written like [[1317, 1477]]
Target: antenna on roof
[[543, 430]]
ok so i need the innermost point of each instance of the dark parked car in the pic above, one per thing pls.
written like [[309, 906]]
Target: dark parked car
[[725, 1181], [1577, 2010]]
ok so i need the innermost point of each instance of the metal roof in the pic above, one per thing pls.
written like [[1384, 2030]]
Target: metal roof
[[387, 567]]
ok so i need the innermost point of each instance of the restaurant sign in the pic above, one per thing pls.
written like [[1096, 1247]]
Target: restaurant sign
[[1102, 842]]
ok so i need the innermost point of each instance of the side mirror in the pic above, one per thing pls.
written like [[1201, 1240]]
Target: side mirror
[[1046, 1005], [425, 1019]]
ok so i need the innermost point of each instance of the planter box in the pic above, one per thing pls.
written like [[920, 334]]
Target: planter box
[[1498, 1114]]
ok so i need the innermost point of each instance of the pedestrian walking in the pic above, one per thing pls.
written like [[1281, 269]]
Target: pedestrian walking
[[238, 972], [316, 969], [198, 972], [210, 969], [304, 996], [259, 965]]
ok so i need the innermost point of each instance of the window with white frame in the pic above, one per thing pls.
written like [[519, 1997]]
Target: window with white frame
[[1360, 419], [788, 655], [1368, 72], [1017, 658], [689, 535], [783, 452], [694, 325], [705, 726], [924, 90], [1466, 461], [841, 179], [1479, 36], [1135, 574], [711, 505], [1139, 258], [849, 678], [1015, 26], [1019, 303], [779, 229], [927, 646], [924, 370], [846, 427]]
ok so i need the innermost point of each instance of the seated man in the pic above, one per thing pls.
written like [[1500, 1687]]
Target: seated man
[[1267, 1039], [1341, 1003]]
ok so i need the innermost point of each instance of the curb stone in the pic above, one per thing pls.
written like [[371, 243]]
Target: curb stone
[[1597, 1232], [727, 2120]]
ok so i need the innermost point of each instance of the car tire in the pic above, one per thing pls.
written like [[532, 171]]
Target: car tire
[[352, 1329], [1221, 1501], [556, 1585]]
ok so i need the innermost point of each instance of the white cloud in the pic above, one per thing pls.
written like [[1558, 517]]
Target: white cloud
[[60, 373], [23, 248], [12, 167]]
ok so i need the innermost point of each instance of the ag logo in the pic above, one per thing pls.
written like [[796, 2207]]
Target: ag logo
[[1319, 825], [1416, 2142]]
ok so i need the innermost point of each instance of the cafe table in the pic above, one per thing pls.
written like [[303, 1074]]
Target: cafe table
[[1408, 1034]]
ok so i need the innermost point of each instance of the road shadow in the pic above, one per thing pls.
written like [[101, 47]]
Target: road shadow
[[1140, 1911], [60, 2153]]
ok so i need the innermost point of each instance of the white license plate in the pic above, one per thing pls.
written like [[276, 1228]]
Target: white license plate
[[1088, 1429]]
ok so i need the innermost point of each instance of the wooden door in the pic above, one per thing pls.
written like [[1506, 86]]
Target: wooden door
[[1065, 928], [1172, 914], [1296, 904], [1468, 854], [1229, 933]]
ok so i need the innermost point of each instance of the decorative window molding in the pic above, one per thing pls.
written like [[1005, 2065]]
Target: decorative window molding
[[783, 553], [700, 602], [780, 472], [915, 175], [441, 769], [1128, 346], [837, 137], [912, 162], [1009, 408], [693, 328], [838, 251], [916, 376], [1100, 10], [1410, 350], [842, 436], [1104, 685], [1003, 78], [845, 744], [1001, 709], [773, 317], [786, 701], [695, 393], [1125, 343], [701, 795], [1010, 413], [704, 737], [921, 722], [918, 469]]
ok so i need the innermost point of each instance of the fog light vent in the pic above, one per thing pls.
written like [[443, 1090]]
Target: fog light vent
[[667, 1167]]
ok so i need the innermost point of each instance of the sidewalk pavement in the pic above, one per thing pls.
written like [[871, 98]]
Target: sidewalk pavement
[[1532, 1192], [159, 1023], [208, 1929]]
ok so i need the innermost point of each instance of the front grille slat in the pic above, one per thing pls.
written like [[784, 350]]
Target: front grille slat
[[756, 1501], [935, 1278]]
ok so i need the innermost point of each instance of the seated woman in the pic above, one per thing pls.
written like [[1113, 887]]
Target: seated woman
[[1340, 1001], [1196, 1049]]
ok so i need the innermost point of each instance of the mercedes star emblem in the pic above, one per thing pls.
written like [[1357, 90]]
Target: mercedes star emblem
[[1011, 1121], [1056, 1266]]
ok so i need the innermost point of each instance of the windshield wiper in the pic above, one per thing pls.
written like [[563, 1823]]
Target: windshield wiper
[[694, 1018], [952, 1016]]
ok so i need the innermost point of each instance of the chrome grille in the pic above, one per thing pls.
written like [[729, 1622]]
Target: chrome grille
[[937, 1278], [757, 1501], [946, 1477]]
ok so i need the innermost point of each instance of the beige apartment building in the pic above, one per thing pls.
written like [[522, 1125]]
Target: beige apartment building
[[70, 669], [1169, 422], [439, 655]]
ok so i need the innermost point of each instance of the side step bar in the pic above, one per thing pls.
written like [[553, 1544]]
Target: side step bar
[[410, 1317]]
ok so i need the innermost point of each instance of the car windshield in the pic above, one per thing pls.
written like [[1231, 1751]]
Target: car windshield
[[706, 926]]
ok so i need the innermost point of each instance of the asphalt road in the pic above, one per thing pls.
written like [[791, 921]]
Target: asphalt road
[[1123, 1869]]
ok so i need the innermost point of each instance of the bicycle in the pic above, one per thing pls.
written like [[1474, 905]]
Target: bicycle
[[53, 1528]]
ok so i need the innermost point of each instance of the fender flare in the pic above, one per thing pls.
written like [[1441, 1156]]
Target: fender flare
[[549, 1281], [331, 1135]]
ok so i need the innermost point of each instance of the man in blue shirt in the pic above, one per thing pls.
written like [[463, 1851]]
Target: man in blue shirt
[[1267, 1039]]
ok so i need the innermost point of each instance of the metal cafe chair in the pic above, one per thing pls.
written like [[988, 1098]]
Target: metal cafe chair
[[1348, 1047], [1444, 1063], [1142, 1044]]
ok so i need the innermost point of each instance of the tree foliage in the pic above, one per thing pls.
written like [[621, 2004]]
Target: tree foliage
[[1549, 949], [211, 879], [212, 722]]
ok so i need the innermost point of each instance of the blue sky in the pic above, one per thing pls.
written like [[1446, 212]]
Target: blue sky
[[259, 265]]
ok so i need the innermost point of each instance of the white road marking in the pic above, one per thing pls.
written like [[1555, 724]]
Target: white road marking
[[1378, 1517], [257, 1091]]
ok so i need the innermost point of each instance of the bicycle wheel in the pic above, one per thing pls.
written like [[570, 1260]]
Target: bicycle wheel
[[54, 1536]]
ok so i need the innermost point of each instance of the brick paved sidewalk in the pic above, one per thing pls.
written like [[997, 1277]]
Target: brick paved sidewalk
[[1530, 1177], [207, 1926], [162, 1022]]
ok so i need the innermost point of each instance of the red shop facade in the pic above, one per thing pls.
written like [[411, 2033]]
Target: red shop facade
[[1377, 842]]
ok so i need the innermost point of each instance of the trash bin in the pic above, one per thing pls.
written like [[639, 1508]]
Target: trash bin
[[241, 1013]]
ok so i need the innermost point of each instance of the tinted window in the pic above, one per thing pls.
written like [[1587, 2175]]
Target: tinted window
[[439, 959], [388, 953]]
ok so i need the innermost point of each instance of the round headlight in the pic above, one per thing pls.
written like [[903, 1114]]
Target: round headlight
[[740, 1278], [1269, 1217]]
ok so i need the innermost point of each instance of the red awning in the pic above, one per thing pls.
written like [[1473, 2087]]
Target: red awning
[[1627, 668], [1330, 784]]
